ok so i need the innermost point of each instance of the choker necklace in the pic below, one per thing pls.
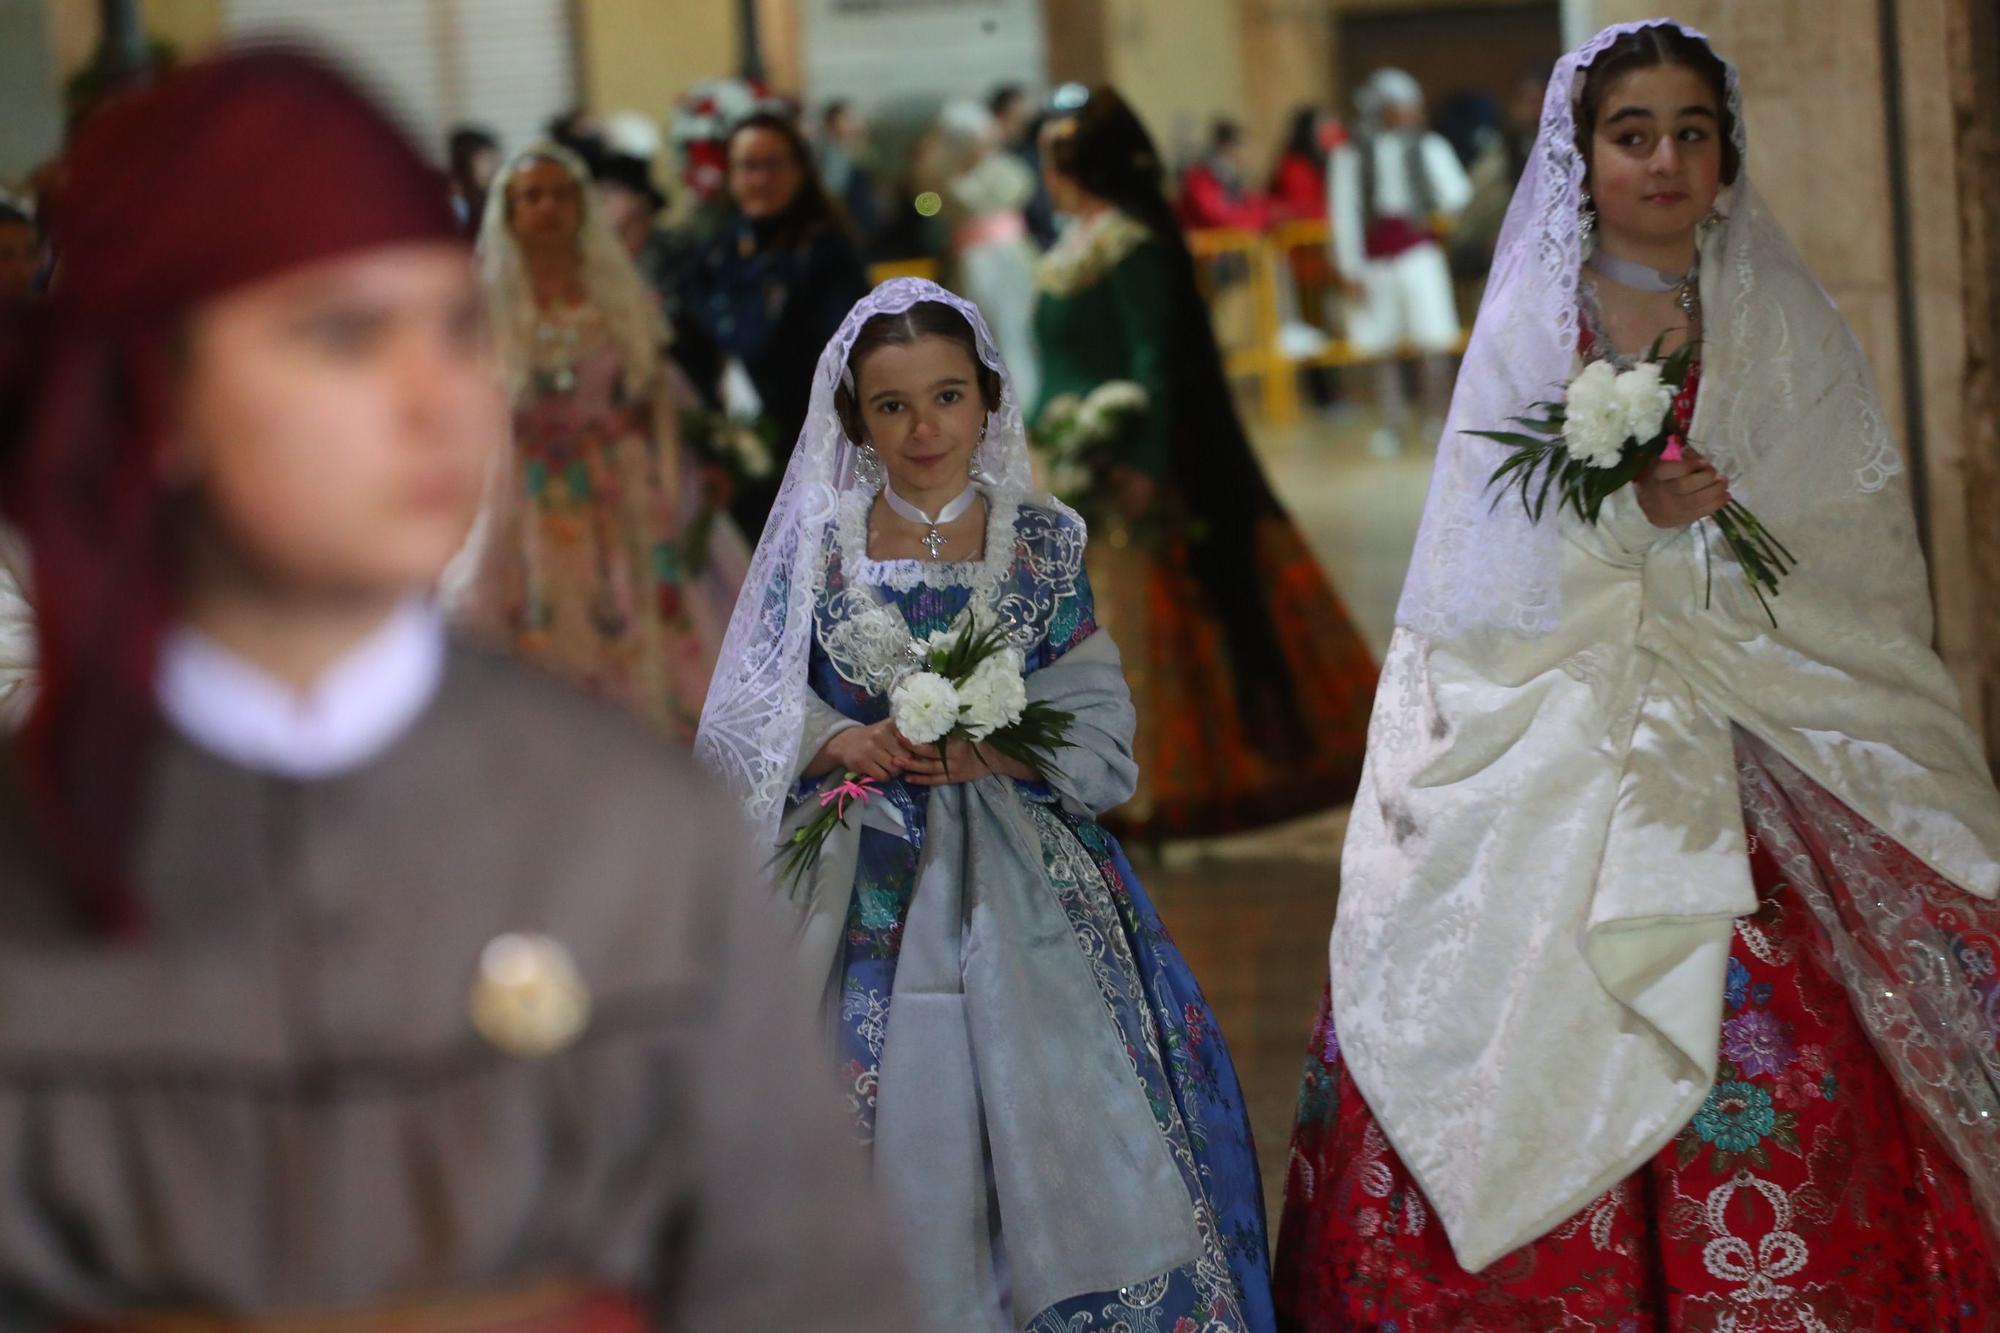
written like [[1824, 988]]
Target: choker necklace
[[1646, 278], [933, 539]]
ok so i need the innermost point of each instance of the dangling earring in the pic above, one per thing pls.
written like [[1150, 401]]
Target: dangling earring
[[980, 472], [868, 468], [1586, 220]]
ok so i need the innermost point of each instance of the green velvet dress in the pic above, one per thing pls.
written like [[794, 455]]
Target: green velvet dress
[[1106, 313]]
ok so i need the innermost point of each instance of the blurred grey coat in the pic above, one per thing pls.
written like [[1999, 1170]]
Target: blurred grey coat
[[17, 633], [278, 1099]]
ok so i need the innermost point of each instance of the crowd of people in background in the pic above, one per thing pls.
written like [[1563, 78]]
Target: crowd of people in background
[[360, 973], [825, 194]]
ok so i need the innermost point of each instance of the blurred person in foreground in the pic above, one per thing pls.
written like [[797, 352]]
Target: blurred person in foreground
[[771, 287], [1252, 685], [1388, 189], [353, 979]]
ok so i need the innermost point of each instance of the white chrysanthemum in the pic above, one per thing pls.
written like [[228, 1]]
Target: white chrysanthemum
[[925, 707], [1594, 417], [1061, 407], [1118, 396], [995, 696], [751, 454], [1644, 399]]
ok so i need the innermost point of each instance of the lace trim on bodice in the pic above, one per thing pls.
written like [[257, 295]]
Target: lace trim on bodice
[[851, 529], [1033, 559]]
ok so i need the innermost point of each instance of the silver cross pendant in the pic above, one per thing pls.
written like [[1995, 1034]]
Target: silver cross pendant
[[932, 541]]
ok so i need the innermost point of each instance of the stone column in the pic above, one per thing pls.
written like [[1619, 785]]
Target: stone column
[[1972, 35], [1288, 50]]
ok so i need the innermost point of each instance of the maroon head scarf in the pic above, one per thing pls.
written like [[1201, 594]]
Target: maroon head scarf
[[230, 170]]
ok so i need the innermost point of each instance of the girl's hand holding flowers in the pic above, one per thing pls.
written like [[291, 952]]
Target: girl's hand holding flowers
[[1613, 428], [962, 760], [1674, 493], [877, 752]]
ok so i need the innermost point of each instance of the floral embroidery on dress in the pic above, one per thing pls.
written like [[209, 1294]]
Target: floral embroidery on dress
[[1763, 1215], [1087, 251]]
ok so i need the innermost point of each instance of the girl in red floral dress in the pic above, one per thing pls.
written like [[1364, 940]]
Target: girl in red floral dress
[[1664, 991]]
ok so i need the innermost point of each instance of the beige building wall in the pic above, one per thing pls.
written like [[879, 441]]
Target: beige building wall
[[1182, 63], [1814, 98], [640, 55], [1288, 60], [190, 27], [1179, 63]]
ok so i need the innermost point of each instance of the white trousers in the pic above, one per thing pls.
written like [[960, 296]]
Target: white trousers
[[1407, 300]]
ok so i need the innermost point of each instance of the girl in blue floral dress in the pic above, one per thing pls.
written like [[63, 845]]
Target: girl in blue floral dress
[[1051, 1109]]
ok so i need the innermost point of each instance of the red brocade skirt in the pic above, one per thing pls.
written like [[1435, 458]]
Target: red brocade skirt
[[1808, 1193]]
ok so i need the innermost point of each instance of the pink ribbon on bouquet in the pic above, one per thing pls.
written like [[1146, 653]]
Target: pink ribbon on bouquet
[[852, 788]]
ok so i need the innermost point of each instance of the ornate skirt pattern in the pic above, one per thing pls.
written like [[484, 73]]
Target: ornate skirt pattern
[[1167, 1029], [1809, 1192], [620, 583], [1200, 775]]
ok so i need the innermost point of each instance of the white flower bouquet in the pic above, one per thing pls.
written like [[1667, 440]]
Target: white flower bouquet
[[1083, 436], [965, 682], [970, 684], [1608, 426], [741, 448]]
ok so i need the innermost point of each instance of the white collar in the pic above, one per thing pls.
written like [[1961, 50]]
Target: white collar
[[358, 707]]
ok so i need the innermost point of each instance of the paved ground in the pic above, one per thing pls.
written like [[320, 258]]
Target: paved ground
[[1252, 913]]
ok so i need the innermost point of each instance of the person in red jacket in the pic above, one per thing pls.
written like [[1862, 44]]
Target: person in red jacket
[[1298, 181], [1215, 191]]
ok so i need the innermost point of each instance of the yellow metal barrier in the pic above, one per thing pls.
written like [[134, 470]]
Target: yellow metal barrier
[[902, 268], [1291, 277], [1253, 284], [1230, 263]]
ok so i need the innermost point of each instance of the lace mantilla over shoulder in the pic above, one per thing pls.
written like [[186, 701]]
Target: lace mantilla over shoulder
[[1032, 560], [1088, 251]]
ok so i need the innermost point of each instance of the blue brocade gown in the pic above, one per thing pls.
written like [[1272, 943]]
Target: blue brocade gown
[[1148, 992]]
